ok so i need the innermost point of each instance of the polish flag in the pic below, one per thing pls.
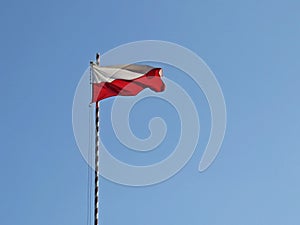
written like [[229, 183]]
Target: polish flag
[[125, 80]]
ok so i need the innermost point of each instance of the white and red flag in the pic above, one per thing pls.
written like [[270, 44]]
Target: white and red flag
[[126, 80]]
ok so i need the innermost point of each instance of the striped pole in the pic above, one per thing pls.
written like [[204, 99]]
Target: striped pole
[[97, 116]]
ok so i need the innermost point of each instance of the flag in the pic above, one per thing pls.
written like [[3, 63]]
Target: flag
[[125, 80]]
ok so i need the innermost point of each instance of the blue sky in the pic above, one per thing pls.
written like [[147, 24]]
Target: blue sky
[[252, 47]]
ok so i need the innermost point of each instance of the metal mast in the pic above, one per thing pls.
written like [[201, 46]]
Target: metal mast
[[97, 125]]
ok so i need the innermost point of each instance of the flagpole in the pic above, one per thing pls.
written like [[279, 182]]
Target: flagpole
[[97, 126], [97, 121]]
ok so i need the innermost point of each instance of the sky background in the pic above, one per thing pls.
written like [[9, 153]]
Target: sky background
[[252, 47]]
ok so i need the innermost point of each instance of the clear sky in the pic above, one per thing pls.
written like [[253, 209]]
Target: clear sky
[[252, 47]]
